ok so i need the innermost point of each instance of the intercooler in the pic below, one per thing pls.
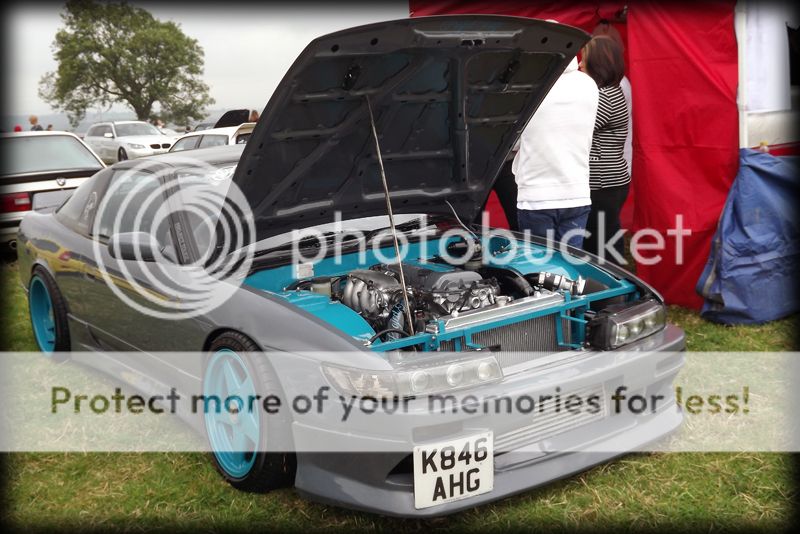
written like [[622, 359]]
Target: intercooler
[[549, 420]]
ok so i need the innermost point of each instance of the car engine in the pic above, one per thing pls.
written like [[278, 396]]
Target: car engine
[[434, 290]]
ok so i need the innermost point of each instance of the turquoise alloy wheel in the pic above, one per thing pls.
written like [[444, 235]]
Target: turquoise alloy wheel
[[233, 430], [42, 319]]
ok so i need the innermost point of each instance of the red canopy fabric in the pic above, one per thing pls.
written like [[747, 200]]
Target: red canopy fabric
[[682, 63], [684, 75]]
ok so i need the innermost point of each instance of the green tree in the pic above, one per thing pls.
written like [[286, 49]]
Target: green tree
[[115, 52]]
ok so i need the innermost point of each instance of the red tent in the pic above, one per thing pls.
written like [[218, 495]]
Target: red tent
[[682, 63]]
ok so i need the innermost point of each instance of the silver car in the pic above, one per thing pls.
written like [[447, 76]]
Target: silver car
[[230, 135], [37, 167], [411, 118], [121, 140]]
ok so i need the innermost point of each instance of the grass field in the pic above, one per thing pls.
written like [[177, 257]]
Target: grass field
[[640, 491]]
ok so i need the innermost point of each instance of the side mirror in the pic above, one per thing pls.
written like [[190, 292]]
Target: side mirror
[[134, 246], [108, 135]]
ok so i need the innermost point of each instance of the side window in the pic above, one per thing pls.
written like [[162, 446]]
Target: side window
[[187, 143], [241, 139], [78, 211], [213, 140], [132, 201], [92, 132], [102, 130]]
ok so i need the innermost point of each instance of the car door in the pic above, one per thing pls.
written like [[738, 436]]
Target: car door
[[120, 294], [93, 139], [109, 142], [186, 143], [75, 247], [213, 140]]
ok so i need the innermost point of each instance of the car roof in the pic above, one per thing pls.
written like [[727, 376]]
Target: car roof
[[40, 133], [226, 130], [117, 122], [217, 156]]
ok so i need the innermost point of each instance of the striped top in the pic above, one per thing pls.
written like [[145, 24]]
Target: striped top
[[607, 166]]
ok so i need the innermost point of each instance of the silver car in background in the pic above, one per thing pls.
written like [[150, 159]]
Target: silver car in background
[[121, 140], [230, 135], [37, 169]]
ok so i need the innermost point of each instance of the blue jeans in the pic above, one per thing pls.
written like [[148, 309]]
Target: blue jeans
[[558, 221]]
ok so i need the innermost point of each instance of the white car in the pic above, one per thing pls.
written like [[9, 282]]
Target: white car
[[121, 140], [37, 170], [231, 135], [169, 132]]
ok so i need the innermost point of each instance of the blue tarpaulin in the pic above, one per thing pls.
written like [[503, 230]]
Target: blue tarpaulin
[[751, 273]]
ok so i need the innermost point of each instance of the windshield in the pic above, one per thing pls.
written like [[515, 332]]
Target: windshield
[[135, 128], [22, 155]]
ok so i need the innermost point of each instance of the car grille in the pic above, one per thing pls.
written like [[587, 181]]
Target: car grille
[[519, 342], [155, 145], [549, 422], [165, 145]]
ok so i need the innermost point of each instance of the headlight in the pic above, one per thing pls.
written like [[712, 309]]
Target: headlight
[[409, 381], [621, 324], [135, 146]]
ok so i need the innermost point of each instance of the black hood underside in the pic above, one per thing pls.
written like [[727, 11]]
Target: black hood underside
[[450, 96]]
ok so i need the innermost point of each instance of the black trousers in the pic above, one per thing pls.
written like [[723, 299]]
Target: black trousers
[[608, 200]]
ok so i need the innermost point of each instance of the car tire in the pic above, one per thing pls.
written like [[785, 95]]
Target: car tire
[[261, 470], [48, 314], [122, 155]]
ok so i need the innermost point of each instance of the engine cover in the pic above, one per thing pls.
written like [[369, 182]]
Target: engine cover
[[449, 287], [434, 278]]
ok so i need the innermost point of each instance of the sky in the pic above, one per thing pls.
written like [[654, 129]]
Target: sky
[[247, 47]]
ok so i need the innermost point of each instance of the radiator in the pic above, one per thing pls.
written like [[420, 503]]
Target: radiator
[[519, 342]]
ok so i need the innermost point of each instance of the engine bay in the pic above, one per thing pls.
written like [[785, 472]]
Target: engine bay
[[435, 291]]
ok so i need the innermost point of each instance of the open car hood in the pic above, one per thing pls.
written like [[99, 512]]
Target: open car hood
[[450, 96]]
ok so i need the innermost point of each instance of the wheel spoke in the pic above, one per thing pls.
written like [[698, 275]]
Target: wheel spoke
[[249, 427], [223, 418], [231, 380], [239, 443]]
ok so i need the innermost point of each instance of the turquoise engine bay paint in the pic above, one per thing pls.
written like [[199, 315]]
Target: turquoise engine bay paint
[[525, 258]]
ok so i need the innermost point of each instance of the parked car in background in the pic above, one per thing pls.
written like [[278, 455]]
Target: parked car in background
[[235, 117], [39, 167], [233, 135], [121, 140], [204, 126], [169, 132]]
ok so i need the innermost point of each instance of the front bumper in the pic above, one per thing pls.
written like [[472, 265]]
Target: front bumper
[[373, 483]]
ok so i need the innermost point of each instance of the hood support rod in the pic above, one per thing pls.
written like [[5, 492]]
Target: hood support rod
[[389, 212]]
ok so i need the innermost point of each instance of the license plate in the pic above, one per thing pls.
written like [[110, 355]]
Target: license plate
[[453, 470]]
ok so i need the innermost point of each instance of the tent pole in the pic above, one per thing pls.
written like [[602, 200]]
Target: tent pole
[[740, 26]]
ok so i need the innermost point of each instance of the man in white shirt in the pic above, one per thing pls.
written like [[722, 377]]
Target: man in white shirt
[[552, 166]]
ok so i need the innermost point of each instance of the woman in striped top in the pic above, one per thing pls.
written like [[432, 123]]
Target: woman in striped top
[[609, 180]]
